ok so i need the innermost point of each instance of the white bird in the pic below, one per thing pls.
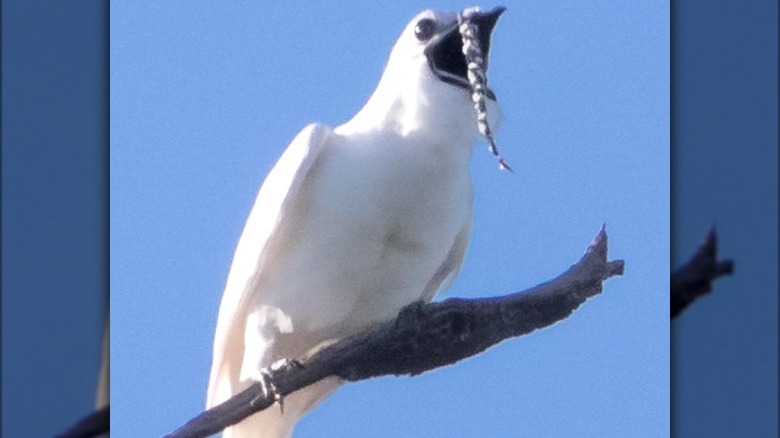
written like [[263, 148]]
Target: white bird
[[354, 223]]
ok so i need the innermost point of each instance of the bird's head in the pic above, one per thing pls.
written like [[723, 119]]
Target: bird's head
[[425, 85]]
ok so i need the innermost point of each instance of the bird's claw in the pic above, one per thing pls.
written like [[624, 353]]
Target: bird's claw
[[285, 363], [268, 388], [264, 376]]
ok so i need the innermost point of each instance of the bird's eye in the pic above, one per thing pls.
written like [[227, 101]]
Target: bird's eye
[[424, 29]]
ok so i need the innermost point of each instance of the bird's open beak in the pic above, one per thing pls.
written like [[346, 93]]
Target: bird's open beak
[[445, 50]]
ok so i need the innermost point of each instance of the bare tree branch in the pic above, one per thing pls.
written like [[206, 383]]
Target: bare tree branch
[[95, 424], [694, 279], [423, 337]]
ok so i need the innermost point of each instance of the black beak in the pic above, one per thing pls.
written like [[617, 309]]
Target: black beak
[[445, 51], [486, 21]]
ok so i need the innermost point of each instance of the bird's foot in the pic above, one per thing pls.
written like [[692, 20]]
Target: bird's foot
[[286, 364], [268, 388], [265, 377]]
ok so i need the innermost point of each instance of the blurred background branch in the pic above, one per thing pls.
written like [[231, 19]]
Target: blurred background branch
[[694, 279]]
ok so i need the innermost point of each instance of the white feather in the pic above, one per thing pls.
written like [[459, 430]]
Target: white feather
[[350, 226]]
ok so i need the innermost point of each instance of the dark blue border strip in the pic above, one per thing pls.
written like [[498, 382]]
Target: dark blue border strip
[[55, 146]]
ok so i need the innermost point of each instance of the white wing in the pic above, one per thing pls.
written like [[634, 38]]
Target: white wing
[[278, 192], [444, 276]]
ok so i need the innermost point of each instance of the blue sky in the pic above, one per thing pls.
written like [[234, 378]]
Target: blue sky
[[205, 97]]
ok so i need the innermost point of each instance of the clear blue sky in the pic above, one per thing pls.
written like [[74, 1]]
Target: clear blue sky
[[204, 98]]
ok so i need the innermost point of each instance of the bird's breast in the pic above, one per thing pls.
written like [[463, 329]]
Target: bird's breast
[[371, 226]]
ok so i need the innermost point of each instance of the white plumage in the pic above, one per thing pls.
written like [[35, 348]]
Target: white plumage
[[351, 225]]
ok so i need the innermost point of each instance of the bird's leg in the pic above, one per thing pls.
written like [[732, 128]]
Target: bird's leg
[[268, 378], [263, 326], [268, 388]]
